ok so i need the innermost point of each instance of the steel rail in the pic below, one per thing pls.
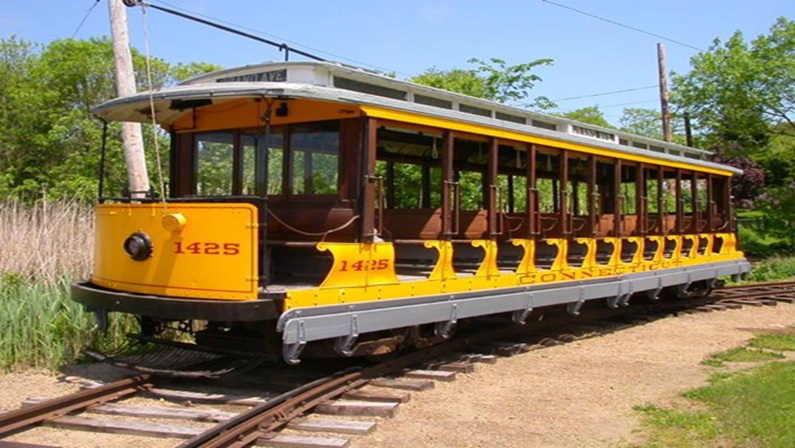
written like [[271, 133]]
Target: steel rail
[[20, 419], [273, 415], [757, 285], [276, 413], [753, 295]]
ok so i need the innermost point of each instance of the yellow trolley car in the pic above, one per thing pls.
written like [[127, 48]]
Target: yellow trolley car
[[310, 202]]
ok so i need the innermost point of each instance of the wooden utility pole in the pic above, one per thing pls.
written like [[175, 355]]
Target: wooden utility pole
[[125, 85], [666, 114], [688, 130]]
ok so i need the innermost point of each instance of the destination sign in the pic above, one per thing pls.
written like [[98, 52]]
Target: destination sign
[[271, 76], [592, 133]]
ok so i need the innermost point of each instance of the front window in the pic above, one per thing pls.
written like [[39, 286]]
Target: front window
[[299, 159], [267, 152], [214, 162], [314, 149]]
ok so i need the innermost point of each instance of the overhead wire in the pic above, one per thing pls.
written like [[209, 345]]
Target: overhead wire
[[634, 89], [88, 13], [630, 27], [298, 44], [383, 69], [630, 103], [617, 105], [614, 22]]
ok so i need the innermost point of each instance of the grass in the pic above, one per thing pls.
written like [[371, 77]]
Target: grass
[[741, 354], [46, 247], [750, 408], [44, 328], [782, 342], [675, 428], [47, 241], [755, 408]]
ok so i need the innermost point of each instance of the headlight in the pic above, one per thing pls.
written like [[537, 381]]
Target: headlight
[[138, 246]]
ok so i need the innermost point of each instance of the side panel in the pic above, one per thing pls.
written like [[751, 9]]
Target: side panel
[[198, 250]]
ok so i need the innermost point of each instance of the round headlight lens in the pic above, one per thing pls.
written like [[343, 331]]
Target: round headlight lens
[[138, 246]]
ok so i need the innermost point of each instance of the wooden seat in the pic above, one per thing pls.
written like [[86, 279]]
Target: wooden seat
[[413, 224]]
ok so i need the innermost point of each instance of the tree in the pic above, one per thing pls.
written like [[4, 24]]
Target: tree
[[745, 187], [778, 160], [648, 123], [590, 115], [641, 121], [49, 140], [16, 58], [742, 92], [494, 80]]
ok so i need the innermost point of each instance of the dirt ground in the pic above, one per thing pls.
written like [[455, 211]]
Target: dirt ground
[[579, 394], [574, 395]]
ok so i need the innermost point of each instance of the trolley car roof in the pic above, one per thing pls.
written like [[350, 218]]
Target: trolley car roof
[[379, 95]]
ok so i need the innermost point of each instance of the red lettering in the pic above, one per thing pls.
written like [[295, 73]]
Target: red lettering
[[207, 248], [365, 265]]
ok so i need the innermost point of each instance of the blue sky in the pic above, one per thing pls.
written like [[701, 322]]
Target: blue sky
[[408, 36]]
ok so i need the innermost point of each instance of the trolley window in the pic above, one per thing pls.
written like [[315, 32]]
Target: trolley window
[[263, 162], [314, 152], [213, 163]]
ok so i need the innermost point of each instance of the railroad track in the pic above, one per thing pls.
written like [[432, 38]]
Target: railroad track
[[781, 291], [361, 391]]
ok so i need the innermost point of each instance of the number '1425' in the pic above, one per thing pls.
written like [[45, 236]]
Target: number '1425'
[[365, 265], [206, 248]]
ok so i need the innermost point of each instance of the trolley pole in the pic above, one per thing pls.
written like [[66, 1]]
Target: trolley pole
[[132, 137], [666, 114]]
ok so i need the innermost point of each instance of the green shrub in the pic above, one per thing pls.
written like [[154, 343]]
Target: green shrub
[[758, 243], [776, 268]]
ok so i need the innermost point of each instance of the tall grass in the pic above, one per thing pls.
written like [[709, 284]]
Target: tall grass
[[42, 326], [47, 241], [44, 248]]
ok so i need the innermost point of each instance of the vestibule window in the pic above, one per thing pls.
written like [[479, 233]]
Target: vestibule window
[[314, 153], [298, 159], [267, 152], [214, 159]]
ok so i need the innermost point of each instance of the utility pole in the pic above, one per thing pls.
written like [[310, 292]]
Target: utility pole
[[666, 114], [688, 130], [125, 85]]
